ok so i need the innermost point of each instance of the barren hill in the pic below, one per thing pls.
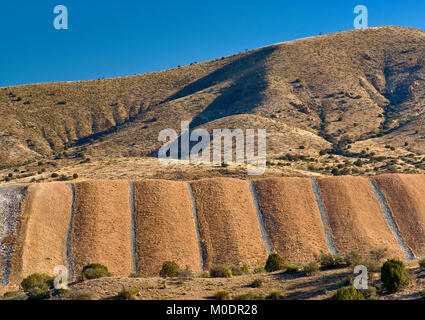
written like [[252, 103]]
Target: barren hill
[[136, 226], [355, 93]]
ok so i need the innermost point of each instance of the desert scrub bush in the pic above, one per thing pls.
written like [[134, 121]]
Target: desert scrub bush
[[274, 263], [330, 261], [220, 272], [292, 269], [393, 273], [249, 296], [257, 283], [82, 294], [379, 254], [137, 275], [94, 271], [311, 268], [353, 258], [128, 294], [238, 271], [14, 295], [422, 264], [169, 269], [222, 295], [348, 293], [186, 274], [259, 270], [274, 295], [371, 293], [37, 286]]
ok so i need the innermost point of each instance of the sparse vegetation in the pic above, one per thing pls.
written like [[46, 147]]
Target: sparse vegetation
[[393, 273], [222, 295], [94, 271], [220, 272], [274, 263], [348, 293], [169, 269]]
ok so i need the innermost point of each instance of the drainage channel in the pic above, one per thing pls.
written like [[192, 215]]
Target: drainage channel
[[134, 265], [389, 219], [323, 216], [264, 233], [10, 210], [68, 249], [202, 255]]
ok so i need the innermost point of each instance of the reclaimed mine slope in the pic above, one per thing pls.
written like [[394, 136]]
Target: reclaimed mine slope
[[101, 228], [11, 222], [228, 223], [355, 217], [165, 226], [405, 196], [292, 218], [48, 208]]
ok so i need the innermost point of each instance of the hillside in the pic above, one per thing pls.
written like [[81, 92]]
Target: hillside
[[133, 227], [357, 94]]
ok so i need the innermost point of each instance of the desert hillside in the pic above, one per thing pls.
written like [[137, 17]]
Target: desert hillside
[[133, 227], [354, 95]]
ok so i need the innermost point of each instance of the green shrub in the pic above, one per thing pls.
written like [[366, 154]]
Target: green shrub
[[38, 293], [371, 293], [169, 269], [348, 293], [94, 271], [128, 294], [274, 263], [422, 264], [222, 295], [353, 258], [373, 265], [220, 272], [393, 273], [257, 283], [311, 269], [330, 261], [259, 270], [274, 295], [15, 295], [292, 269], [54, 175], [37, 285], [249, 296], [82, 294], [238, 271]]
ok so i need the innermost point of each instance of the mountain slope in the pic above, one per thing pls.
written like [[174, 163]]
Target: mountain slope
[[366, 86]]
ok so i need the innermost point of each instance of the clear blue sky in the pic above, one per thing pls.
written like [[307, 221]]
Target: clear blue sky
[[109, 38]]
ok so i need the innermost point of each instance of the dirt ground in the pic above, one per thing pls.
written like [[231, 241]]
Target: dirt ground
[[292, 287]]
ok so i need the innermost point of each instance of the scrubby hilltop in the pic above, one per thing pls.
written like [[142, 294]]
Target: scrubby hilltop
[[354, 92]]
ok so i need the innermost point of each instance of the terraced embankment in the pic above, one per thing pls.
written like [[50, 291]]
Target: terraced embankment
[[228, 223], [101, 227], [137, 226], [165, 226], [355, 217], [405, 195], [48, 208], [292, 217]]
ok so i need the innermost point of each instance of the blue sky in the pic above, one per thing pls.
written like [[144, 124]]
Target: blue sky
[[114, 38]]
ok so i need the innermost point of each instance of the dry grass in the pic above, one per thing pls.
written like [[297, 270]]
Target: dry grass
[[355, 217], [292, 218]]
